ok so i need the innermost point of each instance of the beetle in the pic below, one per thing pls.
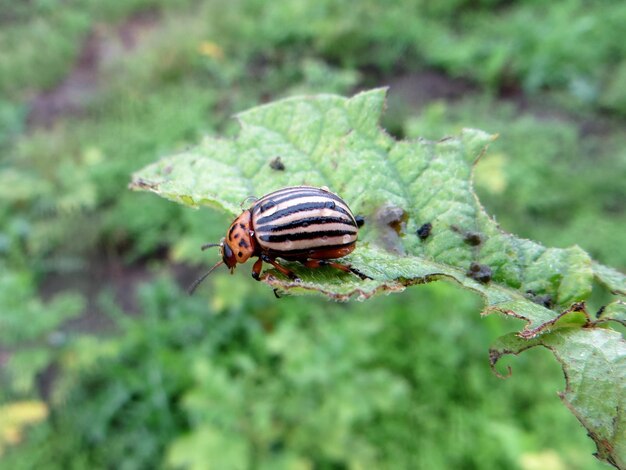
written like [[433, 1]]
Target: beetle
[[299, 223]]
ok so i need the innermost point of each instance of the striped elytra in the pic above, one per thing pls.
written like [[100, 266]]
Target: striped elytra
[[301, 223], [293, 221]]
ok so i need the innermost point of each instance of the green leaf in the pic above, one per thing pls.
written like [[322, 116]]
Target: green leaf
[[594, 363], [327, 140], [611, 278], [398, 186]]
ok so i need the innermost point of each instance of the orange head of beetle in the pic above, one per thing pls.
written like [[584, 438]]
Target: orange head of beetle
[[236, 247]]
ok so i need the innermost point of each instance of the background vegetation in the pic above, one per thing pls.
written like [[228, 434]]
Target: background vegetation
[[104, 360]]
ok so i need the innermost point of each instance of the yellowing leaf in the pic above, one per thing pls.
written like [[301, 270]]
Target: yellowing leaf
[[211, 49], [14, 417]]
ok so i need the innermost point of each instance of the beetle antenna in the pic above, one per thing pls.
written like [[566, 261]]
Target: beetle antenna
[[209, 245], [197, 282]]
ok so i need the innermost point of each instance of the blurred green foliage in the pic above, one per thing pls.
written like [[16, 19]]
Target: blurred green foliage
[[397, 382], [295, 383]]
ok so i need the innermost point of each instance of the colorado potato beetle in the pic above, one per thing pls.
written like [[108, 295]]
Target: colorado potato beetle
[[300, 223]]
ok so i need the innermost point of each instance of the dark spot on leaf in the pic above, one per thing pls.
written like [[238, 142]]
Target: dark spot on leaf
[[277, 164], [600, 311], [480, 272], [472, 238], [545, 300], [143, 184], [424, 231], [469, 236], [360, 220]]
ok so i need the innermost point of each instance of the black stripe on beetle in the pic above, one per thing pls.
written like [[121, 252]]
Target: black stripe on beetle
[[304, 207], [304, 223], [297, 254], [305, 235], [300, 194]]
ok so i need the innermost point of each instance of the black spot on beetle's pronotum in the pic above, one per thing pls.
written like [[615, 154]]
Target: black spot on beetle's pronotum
[[240, 254], [243, 244], [277, 164], [360, 220], [242, 226], [480, 272], [424, 231], [472, 238], [236, 236]]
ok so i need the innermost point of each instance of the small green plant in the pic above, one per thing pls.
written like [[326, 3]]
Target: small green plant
[[399, 186]]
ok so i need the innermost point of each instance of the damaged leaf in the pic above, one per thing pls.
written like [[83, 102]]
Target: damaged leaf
[[594, 364], [397, 186]]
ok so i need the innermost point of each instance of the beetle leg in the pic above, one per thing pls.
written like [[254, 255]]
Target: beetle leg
[[318, 263], [256, 269], [290, 274]]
